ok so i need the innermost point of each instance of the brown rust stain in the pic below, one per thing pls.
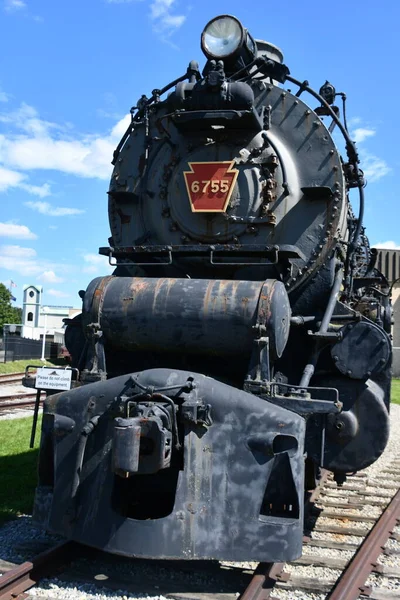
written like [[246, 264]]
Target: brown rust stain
[[138, 285], [207, 297]]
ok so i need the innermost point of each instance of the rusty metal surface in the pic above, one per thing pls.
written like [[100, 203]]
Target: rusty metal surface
[[24, 576], [352, 582], [191, 315]]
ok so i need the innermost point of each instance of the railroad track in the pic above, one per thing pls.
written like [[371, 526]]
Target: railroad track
[[16, 581], [17, 402], [351, 576], [11, 378], [13, 401], [362, 522]]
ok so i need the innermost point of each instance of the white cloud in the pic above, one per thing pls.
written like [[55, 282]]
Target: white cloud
[[14, 5], [374, 167], [38, 144], [163, 21], [50, 277], [9, 178], [58, 294], [12, 230], [96, 264], [14, 179], [4, 97], [45, 208], [389, 245], [17, 252], [19, 260], [37, 190], [26, 263], [362, 133]]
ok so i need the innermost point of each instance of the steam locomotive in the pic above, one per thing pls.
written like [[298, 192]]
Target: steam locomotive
[[243, 340]]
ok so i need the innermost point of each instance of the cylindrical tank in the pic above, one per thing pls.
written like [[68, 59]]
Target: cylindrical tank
[[200, 316]]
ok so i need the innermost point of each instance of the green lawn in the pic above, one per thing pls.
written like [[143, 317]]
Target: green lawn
[[396, 391], [17, 366], [17, 467]]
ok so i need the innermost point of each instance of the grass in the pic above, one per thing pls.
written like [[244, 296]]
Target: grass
[[17, 366], [17, 467], [396, 391]]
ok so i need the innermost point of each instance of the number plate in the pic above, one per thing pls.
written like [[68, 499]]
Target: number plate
[[210, 184]]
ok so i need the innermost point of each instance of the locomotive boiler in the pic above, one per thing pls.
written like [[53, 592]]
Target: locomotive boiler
[[243, 340]]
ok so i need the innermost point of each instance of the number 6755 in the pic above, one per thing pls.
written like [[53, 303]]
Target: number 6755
[[214, 185]]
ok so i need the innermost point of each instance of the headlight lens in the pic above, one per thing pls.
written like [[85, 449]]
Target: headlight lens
[[222, 37]]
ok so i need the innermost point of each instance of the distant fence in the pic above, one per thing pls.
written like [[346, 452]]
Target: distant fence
[[19, 348]]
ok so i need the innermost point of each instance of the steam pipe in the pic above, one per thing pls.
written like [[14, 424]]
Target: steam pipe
[[310, 367]]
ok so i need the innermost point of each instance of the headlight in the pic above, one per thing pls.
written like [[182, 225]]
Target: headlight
[[222, 37]]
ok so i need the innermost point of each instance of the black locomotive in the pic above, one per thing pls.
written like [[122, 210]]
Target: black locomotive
[[243, 340]]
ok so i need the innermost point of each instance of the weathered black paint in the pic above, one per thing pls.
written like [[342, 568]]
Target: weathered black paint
[[195, 446], [221, 485]]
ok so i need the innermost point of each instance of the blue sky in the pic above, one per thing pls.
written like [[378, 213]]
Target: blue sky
[[70, 71]]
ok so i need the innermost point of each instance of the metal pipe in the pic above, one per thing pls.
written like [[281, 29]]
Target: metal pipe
[[310, 366], [332, 302], [86, 431]]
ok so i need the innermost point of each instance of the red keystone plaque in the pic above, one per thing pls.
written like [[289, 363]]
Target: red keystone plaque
[[210, 184]]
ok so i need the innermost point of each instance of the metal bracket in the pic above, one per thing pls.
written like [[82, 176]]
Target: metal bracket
[[199, 414]]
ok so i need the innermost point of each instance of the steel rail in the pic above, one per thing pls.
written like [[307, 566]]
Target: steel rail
[[10, 378], [267, 575], [24, 576], [15, 398], [352, 581]]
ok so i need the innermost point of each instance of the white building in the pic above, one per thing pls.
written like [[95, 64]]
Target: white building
[[37, 319]]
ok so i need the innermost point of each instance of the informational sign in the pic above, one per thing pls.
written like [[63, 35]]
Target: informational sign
[[53, 379]]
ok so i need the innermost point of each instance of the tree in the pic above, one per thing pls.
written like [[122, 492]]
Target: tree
[[8, 313]]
